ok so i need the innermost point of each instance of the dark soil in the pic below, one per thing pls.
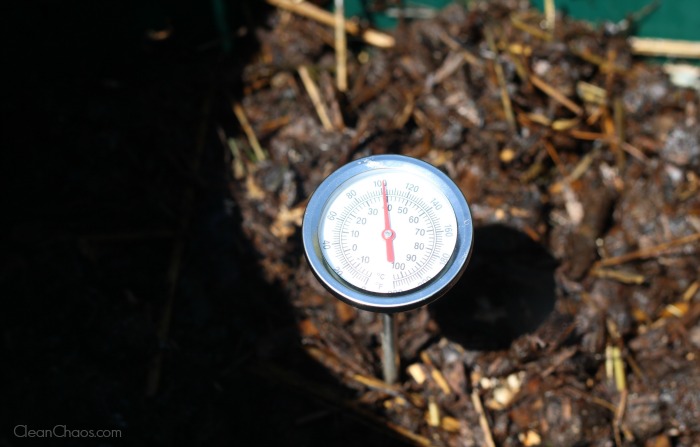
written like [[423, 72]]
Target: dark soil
[[577, 320]]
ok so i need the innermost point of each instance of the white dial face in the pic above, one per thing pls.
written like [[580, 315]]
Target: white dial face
[[387, 232]]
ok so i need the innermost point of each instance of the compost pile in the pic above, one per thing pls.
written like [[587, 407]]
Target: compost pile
[[562, 142]]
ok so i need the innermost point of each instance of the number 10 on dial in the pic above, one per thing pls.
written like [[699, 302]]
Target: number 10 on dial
[[387, 233]]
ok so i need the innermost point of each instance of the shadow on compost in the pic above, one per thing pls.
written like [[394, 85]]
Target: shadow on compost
[[506, 291], [92, 247]]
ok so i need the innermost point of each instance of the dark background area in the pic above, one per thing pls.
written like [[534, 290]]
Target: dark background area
[[104, 200]]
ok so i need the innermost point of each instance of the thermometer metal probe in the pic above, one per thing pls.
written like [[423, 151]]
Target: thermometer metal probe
[[387, 233]]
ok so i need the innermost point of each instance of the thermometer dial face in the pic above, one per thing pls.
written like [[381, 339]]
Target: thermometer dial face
[[387, 233]]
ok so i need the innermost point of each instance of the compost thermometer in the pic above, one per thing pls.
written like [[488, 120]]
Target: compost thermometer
[[387, 233]]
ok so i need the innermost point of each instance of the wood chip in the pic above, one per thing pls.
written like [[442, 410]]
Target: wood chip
[[287, 222], [417, 372], [308, 328], [433, 415], [530, 438], [451, 424], [345, 312]]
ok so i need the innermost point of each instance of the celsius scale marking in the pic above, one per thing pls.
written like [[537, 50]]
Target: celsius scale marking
[[387, 233]]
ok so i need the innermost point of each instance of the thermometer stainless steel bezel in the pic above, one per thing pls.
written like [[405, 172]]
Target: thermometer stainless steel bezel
[[388, 302]]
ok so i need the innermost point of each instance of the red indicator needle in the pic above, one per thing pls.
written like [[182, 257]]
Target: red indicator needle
[[388, 234]]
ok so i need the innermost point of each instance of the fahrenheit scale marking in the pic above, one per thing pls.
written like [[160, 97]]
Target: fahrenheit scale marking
[[387, 232]]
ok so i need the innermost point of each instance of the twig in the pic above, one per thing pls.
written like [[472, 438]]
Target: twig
[[613, 125], [315, 96], [550, 14], [376, 384], [634, 366], [592, 136], [435, 374], [619, 414], [620, 276], [552, 152], [402, 118], [505, 98], [483, 422], [665, 47], [272, 125], [230, 144], [248, 130], [606, 66], [591, 93], [329, 91], [638, 16], [691, 290], [439, 379], [532, 30], [615, 367], [581, 167], [456, 46], [587, 135], [555, 94], [408, 434], [518, 55], [341, 47], [635, 152], [365, 94], [618, 132], [433, 412], [565, 355], [452, 63], [311, 11], [595, 116], [591, 398], [656, 250]]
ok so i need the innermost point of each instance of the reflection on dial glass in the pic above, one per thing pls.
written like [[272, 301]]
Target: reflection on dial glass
[[387, 232]]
